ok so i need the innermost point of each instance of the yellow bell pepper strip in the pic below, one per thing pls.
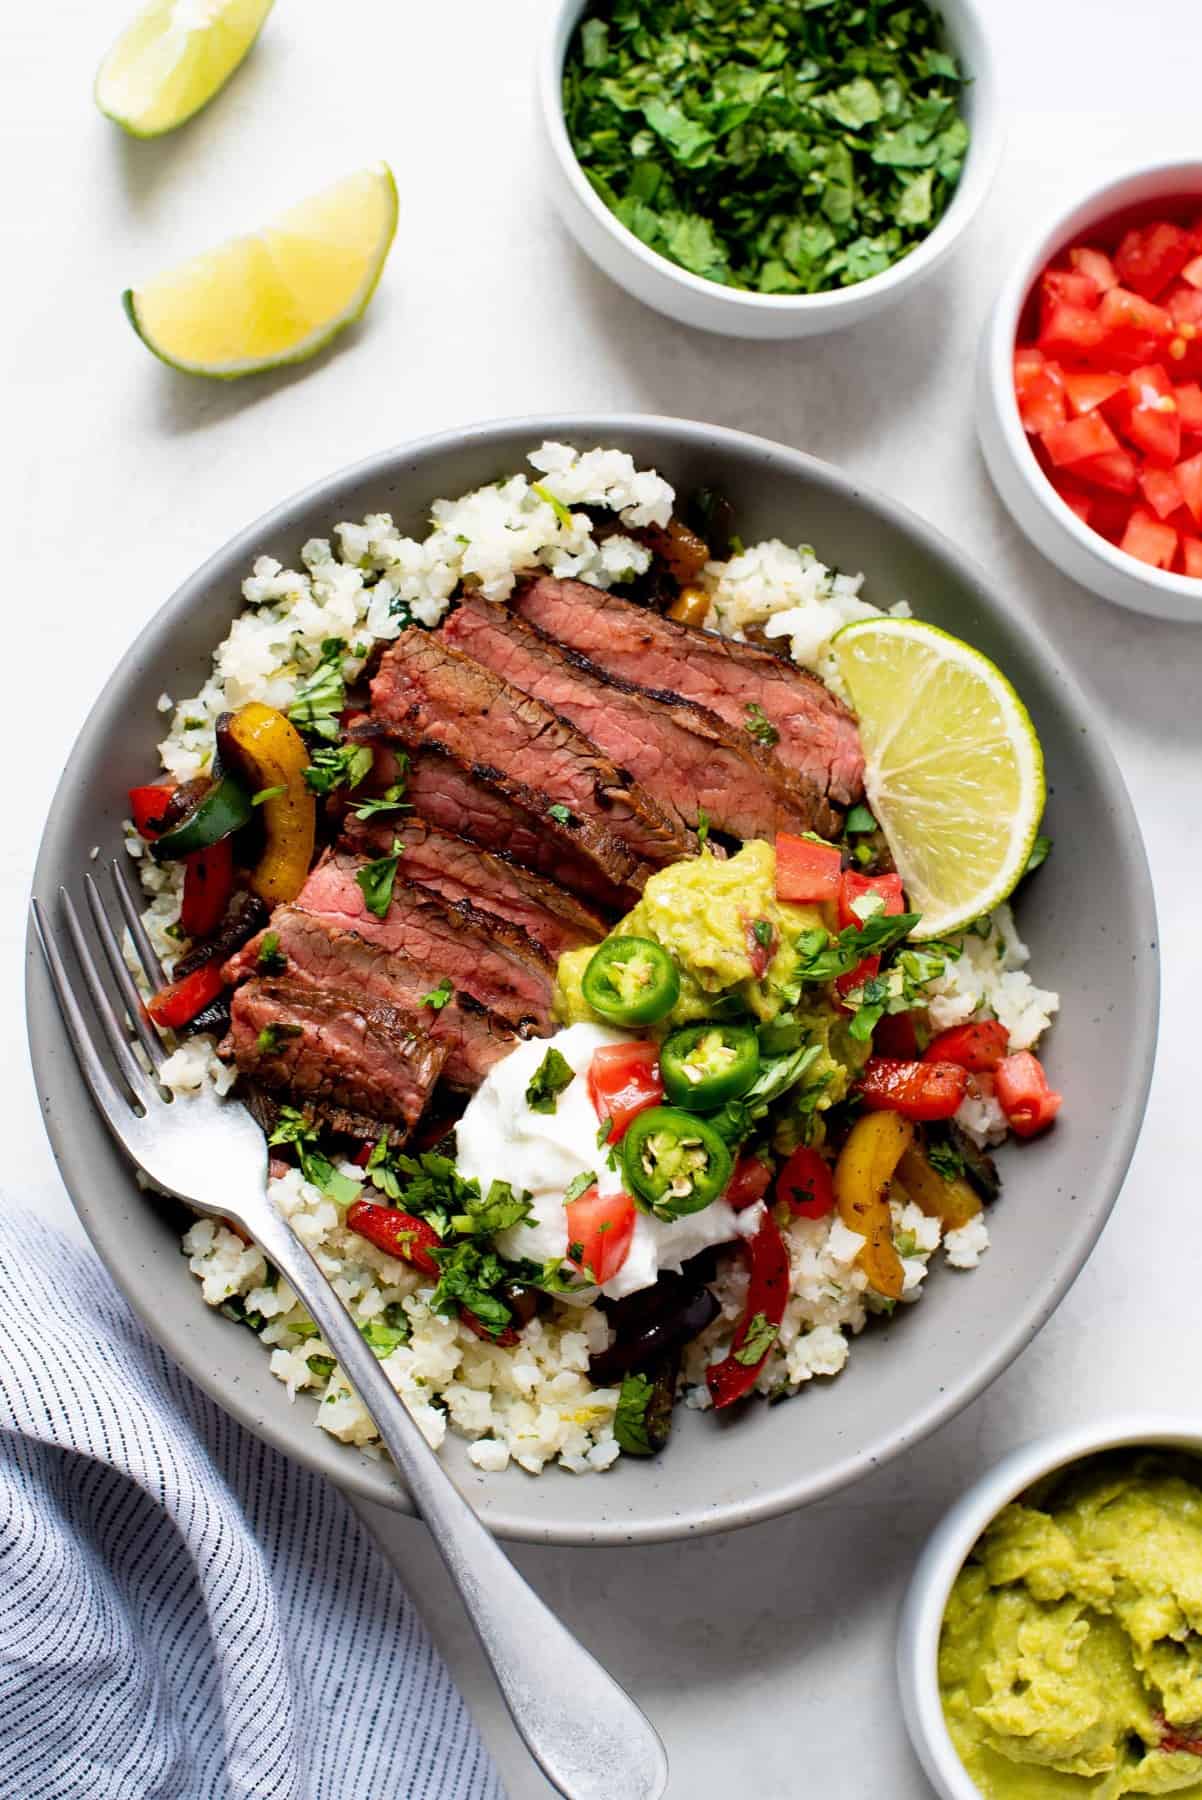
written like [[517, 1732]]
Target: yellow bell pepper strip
[[866, 1166], [276, 752], [952, 1201]]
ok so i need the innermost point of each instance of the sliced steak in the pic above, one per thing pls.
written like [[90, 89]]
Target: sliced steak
[[688, 758], [337, 1047], [494, 962], [313, 949], [427, 692], [457, 870], [817, 735]]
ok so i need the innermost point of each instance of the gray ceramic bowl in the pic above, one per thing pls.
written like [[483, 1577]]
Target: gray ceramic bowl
[[1095, 941]]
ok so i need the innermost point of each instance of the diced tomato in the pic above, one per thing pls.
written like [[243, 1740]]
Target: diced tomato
[[767, 1262], [1192, 272], [855, 887], [1184, 306], [1189, 480], [623, 1081], [1024, 1095], [1110, 514], [146, 807], [806, 1185], [396, 1233], [180, 1001], [1082, 504], [208, 884], [1161, 491], [805, 869], [1074, 285], [1117, 469], [1191, 555], [1087, 388], [1149, 540], [1150, 256], [977, 1047], [917, 1090], [1189, 405], [1040, 397], [759, 936], [750, 1182], [1153, 424], [1097, 265], [1134, 329], [600, 1233], [895, 1035], [1078, 439], [1068, 330]]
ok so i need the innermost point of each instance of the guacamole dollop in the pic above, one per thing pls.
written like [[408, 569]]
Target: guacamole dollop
[[1070, 1662]]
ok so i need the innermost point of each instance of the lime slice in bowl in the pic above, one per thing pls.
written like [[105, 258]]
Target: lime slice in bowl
[[278, 295], [954, 769], [172, 59]]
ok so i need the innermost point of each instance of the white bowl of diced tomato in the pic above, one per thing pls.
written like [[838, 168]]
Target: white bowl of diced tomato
[[1090, 391]]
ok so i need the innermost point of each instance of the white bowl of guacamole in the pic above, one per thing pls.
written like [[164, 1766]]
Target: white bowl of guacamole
[[1050, 1645]]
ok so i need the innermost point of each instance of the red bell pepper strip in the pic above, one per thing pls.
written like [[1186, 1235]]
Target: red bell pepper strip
[[1024, 1095], [623, 1080], [806, 870], [180, 1001], [208, 884], [767, 1292], [853, 886], [977, 1047], [916, 1090], [805, 1185], [750, 1182], [396, 1233], [146, 806]]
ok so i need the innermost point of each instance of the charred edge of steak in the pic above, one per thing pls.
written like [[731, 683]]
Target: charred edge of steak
[[247, 915], [265, 1109]]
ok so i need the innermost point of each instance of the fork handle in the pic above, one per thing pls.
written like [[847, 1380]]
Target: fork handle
[[586, 1734]]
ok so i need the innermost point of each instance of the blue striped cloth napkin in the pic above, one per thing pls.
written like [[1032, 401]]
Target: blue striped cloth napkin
[[184, 1613]]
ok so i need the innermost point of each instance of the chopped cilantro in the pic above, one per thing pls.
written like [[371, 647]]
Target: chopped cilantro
[[438, 997], [557, 506], [630, 1417], [272, 1036], [703, 827], [553, 1075], [265, 794], [383, 1337], [579, 1184], [292, 1127], [822, 959], [560, 813], [859, 819], [321, 697], [342, 765], [376, 880], [1041, 849], [946, 1160], [271, 959], [762, 930], [759, 726], [781, 146], [761, 1335]]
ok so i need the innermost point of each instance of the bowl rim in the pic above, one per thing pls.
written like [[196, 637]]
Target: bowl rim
[[1054, 232], [976, 178], [948, 1546], [665, 1524]]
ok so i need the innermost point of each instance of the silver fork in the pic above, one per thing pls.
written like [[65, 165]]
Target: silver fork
[[583, 1730]]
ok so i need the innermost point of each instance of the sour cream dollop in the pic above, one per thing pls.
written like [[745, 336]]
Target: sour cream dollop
[[501, 1138]]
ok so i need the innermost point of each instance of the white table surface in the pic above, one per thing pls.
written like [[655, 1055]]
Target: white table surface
[[764, 1657]]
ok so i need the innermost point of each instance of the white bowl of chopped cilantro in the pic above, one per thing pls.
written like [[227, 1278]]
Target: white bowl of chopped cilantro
[[764, 168]]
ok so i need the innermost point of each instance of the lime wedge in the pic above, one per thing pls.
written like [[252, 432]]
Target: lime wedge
[[276, 296], [172, 60], [954, 769]]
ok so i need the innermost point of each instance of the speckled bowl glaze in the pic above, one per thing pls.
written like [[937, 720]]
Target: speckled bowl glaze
[[1094, 941], [709, 305], [947, 1550]]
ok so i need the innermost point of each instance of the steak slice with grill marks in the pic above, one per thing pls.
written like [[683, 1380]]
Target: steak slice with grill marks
[[316, 950], [337, 1047], [494, 962], [817, 735], [427, 692], [457, 870], [447, 795], [688, 758]]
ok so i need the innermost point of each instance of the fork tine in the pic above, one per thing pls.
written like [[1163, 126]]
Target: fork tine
[[133, 1074], [112, 1104], [137, 931], [135, 1006]]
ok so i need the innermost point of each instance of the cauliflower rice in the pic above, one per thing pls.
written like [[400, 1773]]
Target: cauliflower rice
[[533, 1404]]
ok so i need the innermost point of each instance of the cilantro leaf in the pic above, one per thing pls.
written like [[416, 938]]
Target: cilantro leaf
[[1041, 849], [341, 765], [376, 880], [271, 959], [560, 813], [553, 1075], [272, 1036], [579, 1184], [292, 1127], [322, 696], [630, 1417], [439, 996], [761, 1335], [759, 726]]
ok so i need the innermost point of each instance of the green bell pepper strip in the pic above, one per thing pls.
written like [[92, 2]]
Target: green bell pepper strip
[[631, 981], [224, 809], [706, 1065], [673, 1162]]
